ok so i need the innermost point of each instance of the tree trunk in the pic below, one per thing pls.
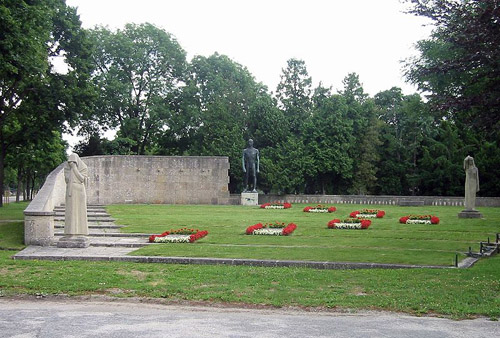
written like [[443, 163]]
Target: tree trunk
[[19, 184], [2, 157], [27, 188]]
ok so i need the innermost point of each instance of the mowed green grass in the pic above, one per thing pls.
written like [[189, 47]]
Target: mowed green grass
[[12, 226], [457, 293], [386, 241]]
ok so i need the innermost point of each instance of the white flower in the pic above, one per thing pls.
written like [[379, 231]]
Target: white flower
[[274, 207], [172, 239], [318, 210], [268, 231], [366, 215], [418, 221], [348, 225]]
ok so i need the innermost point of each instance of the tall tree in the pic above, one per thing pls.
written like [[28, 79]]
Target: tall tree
[[294, 94], [33, 95], [138, 71], [329, 139], [226, 93], [365, 128], [459, 65]]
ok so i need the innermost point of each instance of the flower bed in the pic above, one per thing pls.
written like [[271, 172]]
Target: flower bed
[[320, 208], [276, 205], [419, 219], [183, 235], [349, 223], [276, 229], [367, 213]]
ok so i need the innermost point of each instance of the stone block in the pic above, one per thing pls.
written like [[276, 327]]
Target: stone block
[[39, 228], [249, 198], [470, 214], [73, 242]]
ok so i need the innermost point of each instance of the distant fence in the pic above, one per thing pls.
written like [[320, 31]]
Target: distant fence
[[372, 199]]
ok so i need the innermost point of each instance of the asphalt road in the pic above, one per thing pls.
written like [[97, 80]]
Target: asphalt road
[[75, 318]]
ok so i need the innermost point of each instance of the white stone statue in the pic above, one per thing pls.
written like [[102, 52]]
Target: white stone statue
[[471, 183], [76, 177]]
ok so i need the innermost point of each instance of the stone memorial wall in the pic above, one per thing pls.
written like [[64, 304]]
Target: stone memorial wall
[[157, 179]]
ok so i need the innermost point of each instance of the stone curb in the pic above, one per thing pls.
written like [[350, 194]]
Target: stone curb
[[230, 262]]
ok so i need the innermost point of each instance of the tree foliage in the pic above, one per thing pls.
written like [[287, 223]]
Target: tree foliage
[[35, 98], [137, 71], [459, 65]]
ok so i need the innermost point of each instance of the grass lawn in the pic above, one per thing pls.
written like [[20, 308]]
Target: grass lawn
[[385, 241], [457, 293], [12, 226]]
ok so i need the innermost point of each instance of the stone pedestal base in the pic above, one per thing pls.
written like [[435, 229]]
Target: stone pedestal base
[[470, 214], [249, 198], [73, 242]]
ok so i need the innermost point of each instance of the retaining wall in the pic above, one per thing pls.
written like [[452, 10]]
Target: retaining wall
[[39, 215], [371, 199], [157, 179]]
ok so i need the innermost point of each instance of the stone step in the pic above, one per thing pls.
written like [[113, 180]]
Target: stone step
[[89, 219], [96, 211], [109, 234], [93, 226], [114, 241], [89, 213]]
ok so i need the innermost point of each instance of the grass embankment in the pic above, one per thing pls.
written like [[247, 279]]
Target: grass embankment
[[386, 241], [11, 226], [451, 292]]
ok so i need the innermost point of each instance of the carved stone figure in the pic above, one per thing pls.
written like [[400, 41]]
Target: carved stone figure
[[76, 177], [250, 161], [471, 183], [471, 188]]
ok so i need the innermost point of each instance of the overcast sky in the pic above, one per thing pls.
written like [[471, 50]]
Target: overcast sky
[[333, 37]]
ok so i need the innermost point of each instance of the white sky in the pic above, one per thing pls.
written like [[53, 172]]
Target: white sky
[[333, 37]]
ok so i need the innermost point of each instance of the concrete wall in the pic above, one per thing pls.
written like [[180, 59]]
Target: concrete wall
[[157, 179], [369, 199], [39, 215]]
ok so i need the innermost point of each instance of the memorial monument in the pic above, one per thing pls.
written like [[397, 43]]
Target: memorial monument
[[250, 161], [75, 221], [471, 188]]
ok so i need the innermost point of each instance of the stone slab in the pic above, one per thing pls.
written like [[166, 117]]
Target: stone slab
[[73, 242], [249, 198], [470, 214]]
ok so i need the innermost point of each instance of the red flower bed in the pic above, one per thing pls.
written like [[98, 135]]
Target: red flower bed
[[194, 234], [349, 223], [419, 219], [276, 205], [368, 213], [320, 208], [286, 229]]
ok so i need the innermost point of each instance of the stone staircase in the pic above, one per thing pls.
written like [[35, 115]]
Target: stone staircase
[[103, 231]]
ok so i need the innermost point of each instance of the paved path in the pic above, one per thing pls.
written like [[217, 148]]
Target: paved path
[[71, 318]]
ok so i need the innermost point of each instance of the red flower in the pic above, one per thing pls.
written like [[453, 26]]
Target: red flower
[[289, 229], [306, 209], [403, 219], [332, 209], [287, 205], [434, 220], [252, 228], [331, 224], [380, 213], [265, 205], [365, 223], [353, 214]]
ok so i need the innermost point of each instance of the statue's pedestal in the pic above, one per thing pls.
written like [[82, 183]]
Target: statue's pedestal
[[249, 198], [470, 214], [73, 242]]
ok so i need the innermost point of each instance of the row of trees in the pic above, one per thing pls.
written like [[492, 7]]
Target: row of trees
[[138, 82]]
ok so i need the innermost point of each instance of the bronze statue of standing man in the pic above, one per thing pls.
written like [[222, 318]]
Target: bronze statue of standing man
[[250, 161]]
